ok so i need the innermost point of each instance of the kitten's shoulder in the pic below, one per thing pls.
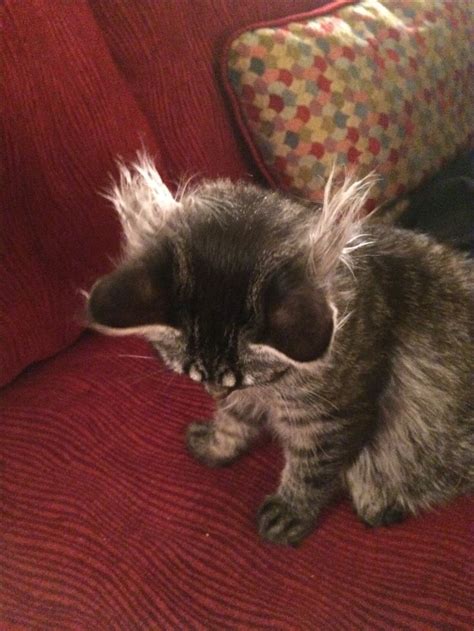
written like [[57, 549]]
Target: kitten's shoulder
[[412, 270], [398, 243]]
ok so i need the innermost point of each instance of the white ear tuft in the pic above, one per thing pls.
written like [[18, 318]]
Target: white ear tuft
[[142, 201], [339, 222]]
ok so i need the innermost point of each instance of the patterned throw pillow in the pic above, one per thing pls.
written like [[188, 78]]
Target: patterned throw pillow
[[372, 85]]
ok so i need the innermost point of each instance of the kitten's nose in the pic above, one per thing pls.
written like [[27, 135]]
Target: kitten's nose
[[218, 392]]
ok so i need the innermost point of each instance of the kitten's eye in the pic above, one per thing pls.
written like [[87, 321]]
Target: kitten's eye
[[278, 374]]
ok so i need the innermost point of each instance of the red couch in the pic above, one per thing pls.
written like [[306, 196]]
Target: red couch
[[106, 522]]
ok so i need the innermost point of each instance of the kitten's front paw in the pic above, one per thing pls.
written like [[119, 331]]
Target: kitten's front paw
[[279, 523], [209, 447]]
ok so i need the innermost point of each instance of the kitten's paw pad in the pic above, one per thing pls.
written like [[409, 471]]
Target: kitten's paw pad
[[279, 523], [387, 517], [204, 445]]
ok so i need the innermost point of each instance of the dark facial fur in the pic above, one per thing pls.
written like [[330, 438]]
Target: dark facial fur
[[354, 345]]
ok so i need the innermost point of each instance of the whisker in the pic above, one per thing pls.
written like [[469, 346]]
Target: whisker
[[148, 375], [138, 357]]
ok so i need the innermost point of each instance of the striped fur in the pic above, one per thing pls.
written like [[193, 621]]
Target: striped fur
[[360, 363]]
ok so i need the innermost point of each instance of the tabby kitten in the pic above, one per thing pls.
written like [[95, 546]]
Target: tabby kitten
[[354, 345]]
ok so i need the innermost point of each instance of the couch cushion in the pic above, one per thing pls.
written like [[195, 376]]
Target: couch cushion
[[384, 86], [169, 54], [81, 83], [107, 523], [66, 115]]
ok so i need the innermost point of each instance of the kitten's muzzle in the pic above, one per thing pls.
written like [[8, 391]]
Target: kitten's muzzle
[[218, 392]]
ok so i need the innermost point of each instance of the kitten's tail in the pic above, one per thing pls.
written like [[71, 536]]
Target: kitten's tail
[[337, 231]]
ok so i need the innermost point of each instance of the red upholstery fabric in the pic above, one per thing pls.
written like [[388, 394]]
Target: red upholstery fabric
[[82, 82], [109, 524], [66, 114]]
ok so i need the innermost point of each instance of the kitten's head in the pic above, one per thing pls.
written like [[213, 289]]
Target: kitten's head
[[227, 281]]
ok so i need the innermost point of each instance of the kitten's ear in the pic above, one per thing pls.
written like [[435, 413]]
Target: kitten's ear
[[128, 298], [299, 320]]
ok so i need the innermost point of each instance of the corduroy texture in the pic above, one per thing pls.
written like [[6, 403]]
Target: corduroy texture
[[66, 115], [109, 524], [374, 86], [80, 83]]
